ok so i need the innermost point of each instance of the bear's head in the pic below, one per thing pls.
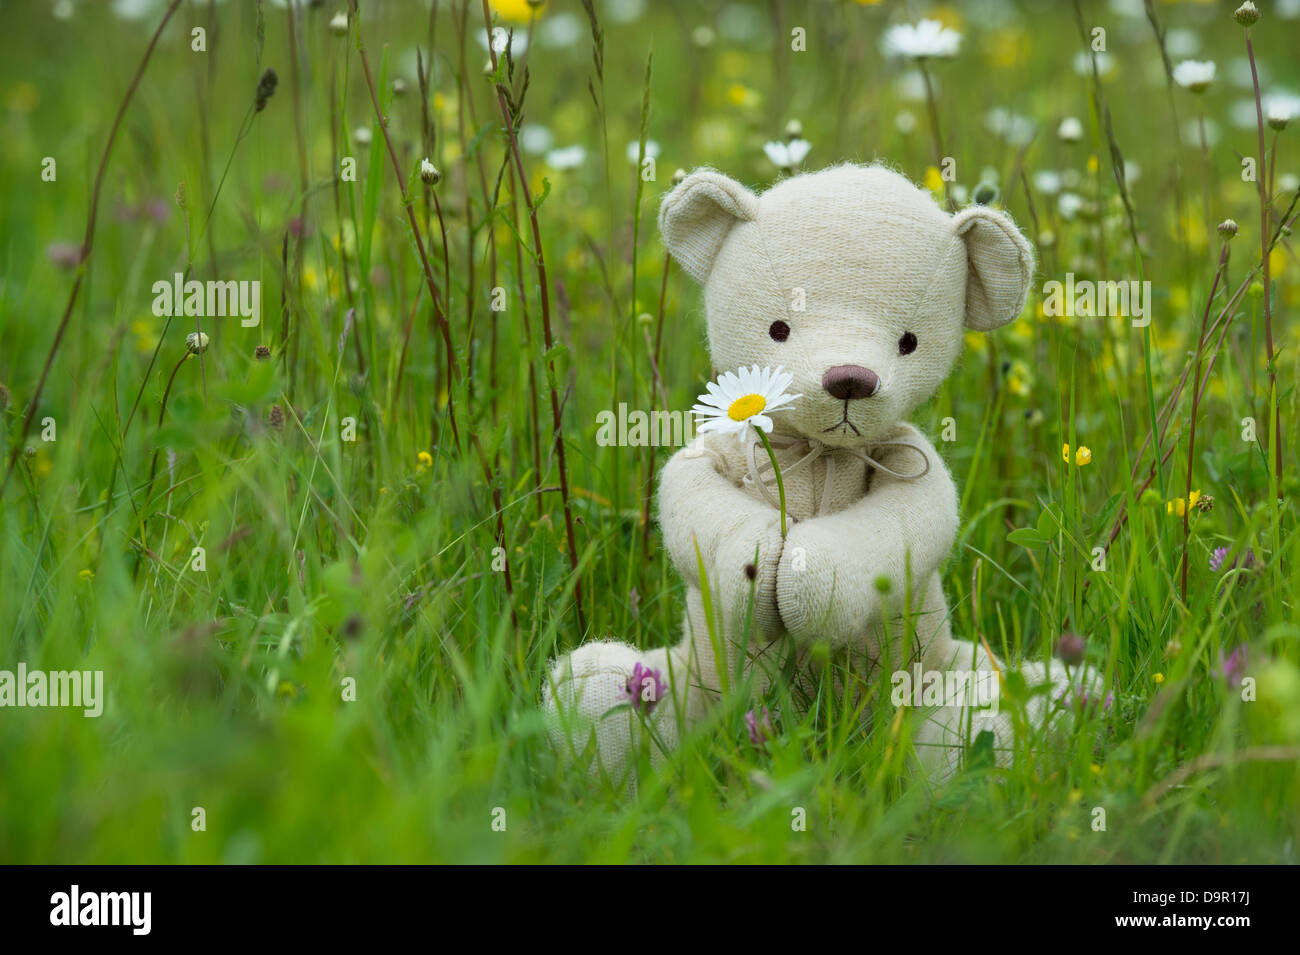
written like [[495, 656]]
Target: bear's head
[[852, 279]]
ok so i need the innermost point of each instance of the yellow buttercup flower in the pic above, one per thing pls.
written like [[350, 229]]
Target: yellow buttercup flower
[[1158, 677], [516, 11], [933, 179], [423, 460]]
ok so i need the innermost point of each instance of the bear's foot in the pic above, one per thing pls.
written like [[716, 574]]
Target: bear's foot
[[607, 699]]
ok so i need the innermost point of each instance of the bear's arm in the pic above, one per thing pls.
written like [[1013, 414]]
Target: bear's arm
[[826, 582], [701, 505]]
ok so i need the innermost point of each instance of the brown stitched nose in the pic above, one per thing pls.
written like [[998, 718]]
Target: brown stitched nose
[[850, 381]]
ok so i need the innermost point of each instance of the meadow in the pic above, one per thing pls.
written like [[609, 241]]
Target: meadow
[[323, 560]]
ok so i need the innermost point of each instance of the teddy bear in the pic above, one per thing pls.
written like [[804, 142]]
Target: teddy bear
[[861, 289]]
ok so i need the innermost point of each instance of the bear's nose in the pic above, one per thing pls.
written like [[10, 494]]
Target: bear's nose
[[850, 381]]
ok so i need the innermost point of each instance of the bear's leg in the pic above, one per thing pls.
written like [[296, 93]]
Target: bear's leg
[[596, 714], [945, 734]]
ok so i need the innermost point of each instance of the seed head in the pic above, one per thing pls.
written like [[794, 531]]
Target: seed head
[[262, 353], [265, 89], [1247, 14], [1070, 648], [429, 173], [1227, 228], [276, 418], [196, 342]]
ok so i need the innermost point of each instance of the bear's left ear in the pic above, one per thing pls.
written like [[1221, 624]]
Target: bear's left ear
[[999, 267]]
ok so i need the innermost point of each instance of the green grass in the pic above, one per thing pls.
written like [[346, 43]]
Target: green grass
[[329, 560]]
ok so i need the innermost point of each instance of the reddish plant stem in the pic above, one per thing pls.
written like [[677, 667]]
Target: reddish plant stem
[[409, 206], [548, 338], [86, 245]]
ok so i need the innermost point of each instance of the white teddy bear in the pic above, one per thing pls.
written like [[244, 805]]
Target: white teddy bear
[[855, 282]]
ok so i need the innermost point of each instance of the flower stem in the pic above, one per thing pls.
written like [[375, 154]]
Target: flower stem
[[780, 486]]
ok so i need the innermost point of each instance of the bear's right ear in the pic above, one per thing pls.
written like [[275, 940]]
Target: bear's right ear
[[697, 215]]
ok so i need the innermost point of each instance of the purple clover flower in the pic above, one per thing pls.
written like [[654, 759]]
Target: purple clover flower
[[644, 688], [1233, 668], [759, 724], [1083, 701]]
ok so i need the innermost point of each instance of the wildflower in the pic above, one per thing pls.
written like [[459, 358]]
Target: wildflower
[[339, 23], [1217, 557], [502, 39], [1227, 228], [1247, 14], [1047, 181], [423, 460], [1280, 112], [634, 150], [429, 174], [1070, 130], [86, 574], [1082, 455], [793, 130], [362, 135], [1195, 75], [265, 89], [678, 176], [1083, 61], [986, 193], [196, 342], [933, 179], [786, 156], [644, 688], [1173, 648], [759, 725], [1158, 678], [738, 400], [1204, 503], [1178, 505], [65, 255], [1084, 701], [568, 157], [928, 38], [1069, 204], [535, 138], [1233, 668], [1070, 648]]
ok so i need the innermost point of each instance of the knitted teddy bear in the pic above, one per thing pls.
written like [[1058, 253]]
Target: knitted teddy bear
[[859, 285]]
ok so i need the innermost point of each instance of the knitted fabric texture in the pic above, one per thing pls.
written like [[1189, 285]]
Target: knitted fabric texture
[[850, 271]]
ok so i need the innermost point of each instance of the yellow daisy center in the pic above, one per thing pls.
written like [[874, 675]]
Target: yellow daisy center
[[744, 408]]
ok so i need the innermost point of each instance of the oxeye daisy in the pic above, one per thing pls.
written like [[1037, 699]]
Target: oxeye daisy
[[928, 38], [786, 156], [1195, 75], [740, 399], [743, 398]]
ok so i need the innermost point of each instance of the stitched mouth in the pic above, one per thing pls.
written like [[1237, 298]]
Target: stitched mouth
[[844, 423]]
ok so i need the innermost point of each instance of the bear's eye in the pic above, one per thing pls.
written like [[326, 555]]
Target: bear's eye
[[779, 331], [907, 344]]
